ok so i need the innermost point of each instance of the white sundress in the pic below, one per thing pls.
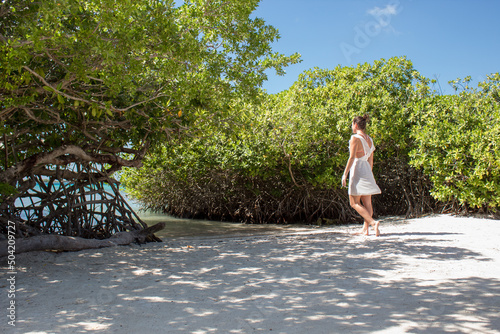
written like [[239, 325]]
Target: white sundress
[[361, 180]]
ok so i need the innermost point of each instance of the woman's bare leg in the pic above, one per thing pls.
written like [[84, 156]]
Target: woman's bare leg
[[367, 203], [355, 202]]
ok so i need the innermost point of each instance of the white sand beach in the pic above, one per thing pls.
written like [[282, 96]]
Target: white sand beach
[[439, 274]]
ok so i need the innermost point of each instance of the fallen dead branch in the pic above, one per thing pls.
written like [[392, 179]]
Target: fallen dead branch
[[66, 243]]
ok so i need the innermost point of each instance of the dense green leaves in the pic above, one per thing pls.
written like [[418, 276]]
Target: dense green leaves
[[291, 149], [119, 77], [457, 139], [282, 159]]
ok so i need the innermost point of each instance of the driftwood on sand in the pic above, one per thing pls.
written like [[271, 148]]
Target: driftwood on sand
[[67, 243]]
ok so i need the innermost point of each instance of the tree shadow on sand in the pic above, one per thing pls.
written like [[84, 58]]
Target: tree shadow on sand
[[319, 283]]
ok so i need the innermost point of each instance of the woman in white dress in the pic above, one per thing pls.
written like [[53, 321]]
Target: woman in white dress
[[362, 184]]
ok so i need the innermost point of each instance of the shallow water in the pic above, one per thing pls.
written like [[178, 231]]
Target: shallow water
[[177, 227]]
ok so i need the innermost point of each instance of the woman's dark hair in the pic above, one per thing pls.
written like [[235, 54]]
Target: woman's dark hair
[[361, 121]]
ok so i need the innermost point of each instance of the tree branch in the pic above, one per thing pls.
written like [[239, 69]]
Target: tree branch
[[39, 120], [59, 156], [66, 243], [100, 104]]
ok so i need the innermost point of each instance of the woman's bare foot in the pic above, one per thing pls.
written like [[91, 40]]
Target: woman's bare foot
[[365, 231], [362, 232], [366, 228], [375, 225]]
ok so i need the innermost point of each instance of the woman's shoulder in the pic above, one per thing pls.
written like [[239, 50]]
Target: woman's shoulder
[[356, 136], [355, 139]]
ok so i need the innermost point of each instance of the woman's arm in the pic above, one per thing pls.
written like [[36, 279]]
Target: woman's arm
[[353, 147], [370, 161]]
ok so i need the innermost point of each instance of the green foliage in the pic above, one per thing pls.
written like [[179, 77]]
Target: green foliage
[[6, 190], [457, 144], [317, 112], [289, 150], [117, 77]]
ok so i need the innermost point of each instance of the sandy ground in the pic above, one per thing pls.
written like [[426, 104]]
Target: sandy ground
[[439, 274]]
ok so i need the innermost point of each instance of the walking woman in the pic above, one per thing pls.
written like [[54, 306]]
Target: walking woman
[[362, 184]]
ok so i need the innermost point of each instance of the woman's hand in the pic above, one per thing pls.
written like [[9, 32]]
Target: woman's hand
[[344, 180]]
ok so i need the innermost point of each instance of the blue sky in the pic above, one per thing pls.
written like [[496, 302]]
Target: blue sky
[[444, 39]]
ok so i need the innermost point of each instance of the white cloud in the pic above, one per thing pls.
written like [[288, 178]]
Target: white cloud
[[383, 16], [388, 10]]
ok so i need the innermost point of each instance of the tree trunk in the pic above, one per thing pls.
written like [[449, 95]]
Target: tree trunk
[[65, 243]]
